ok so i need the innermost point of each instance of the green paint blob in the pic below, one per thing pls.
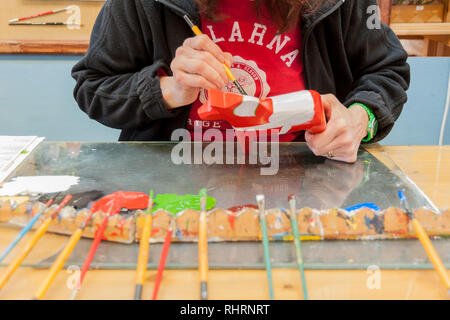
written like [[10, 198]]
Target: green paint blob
[[175, 203]]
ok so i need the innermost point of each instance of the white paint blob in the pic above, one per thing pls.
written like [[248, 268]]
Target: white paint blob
[[38, 184]]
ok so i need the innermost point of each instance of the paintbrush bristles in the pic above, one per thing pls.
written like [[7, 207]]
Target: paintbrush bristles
[[203, 199], [150, 202], [261, 204], [292, 205], [172, 224]]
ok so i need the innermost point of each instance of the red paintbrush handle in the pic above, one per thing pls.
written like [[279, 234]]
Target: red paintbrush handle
[[39, 15], [93, 249], [62, 205], [36, 15], [162, 262]]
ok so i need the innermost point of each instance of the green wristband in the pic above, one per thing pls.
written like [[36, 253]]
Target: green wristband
[[372, 127]]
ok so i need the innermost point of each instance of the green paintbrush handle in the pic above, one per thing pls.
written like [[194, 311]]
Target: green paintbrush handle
[[265, 239], [298, 247]]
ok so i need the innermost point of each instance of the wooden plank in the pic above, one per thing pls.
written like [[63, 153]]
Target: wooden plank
[[44, 47], [46, 39], [427, 166], [234, 285], [421, 29], [417, 13]]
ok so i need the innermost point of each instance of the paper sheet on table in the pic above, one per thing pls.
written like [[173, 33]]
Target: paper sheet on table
[[13, 151]]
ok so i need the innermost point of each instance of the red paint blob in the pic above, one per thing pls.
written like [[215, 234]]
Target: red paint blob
[[240, 208]]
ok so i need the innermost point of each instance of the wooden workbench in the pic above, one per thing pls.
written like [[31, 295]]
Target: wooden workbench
[[429, 167]]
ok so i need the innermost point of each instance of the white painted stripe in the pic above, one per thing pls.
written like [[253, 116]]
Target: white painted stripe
[[444, 118]]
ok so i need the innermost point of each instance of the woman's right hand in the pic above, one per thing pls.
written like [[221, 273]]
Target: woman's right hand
[[197, 65]]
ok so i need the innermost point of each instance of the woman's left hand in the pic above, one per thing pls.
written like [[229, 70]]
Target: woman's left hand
[[345, 130]]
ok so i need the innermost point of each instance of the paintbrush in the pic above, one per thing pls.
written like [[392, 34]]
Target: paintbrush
[[40, 14], [12, 267], [61, 259], [230, 75], [143, 250], [44, 24], [24, 231], [93, 249], [163, 259], [265, 239], [203, 247], [297, 242], [426, 243]]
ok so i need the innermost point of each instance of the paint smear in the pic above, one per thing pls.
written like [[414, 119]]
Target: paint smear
[[38, 184], [175, 203]]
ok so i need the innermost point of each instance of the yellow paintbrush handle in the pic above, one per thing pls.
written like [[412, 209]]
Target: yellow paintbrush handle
[[228, 72], [143, 250], [30, 244], [431, 252], [230, 75], [58, 264], [203, 247], [196, 31]]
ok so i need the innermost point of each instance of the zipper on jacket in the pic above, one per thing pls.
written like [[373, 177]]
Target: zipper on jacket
[[308, 33]]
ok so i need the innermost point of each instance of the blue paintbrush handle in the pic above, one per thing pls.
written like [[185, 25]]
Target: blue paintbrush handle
[[265, 239], [21, 234]]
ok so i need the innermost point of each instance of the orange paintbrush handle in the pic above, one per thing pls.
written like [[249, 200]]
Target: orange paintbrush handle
[[197, 31], [203, 248], [12, 267], [230, 75], [58, 264], [431, 252], [143, 250]]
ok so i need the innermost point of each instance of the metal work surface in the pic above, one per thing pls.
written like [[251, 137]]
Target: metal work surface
[[386, 254], [317, 182]]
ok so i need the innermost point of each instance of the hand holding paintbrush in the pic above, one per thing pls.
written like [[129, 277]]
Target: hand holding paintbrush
[[228, 72], [198, 64]]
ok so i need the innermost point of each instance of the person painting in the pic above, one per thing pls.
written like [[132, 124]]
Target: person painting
[[146, 73]]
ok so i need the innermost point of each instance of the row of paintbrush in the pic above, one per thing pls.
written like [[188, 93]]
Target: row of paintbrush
[[114, 207], [143, 251], [203, 249]]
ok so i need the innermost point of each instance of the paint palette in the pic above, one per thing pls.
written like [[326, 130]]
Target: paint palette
[[318, 183]]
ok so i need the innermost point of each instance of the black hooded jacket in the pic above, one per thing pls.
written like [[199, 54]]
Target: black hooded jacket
[[117, 80]]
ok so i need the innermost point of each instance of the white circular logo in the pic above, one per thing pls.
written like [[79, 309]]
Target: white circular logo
[[249, 76]]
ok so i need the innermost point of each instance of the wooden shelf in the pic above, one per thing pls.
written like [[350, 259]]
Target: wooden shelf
[[421, 29], [44, 47]]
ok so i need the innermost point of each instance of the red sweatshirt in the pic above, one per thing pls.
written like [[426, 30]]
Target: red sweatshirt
[[265, 64]]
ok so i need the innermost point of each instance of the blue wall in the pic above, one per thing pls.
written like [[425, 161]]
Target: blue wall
[[36, 99], [421, 119]]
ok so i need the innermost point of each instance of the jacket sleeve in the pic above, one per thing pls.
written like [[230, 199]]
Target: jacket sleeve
[[378, 62], [116, 81]]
